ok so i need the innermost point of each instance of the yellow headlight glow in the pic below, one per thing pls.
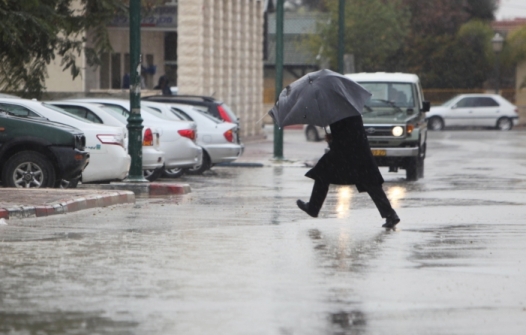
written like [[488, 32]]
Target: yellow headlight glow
[[398, 131]]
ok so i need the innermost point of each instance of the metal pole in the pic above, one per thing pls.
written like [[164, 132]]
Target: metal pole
[[341, 29], [497, 70], [134, 120], [278, 132]]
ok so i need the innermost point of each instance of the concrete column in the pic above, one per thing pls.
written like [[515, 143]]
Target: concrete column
[[190, 46], [220, 51], [208, 48]]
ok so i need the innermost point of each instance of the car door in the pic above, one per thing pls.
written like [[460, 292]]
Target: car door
[[488, 111], [462, 113]]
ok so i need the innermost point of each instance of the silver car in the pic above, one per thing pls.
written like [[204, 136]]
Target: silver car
[[218, 139], [474, 110]]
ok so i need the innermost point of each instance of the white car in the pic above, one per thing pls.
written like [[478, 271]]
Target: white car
[[104, 143], [152, 156], [177, 139], [474, 110], [217, 138]]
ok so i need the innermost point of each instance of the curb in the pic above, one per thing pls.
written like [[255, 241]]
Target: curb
[[73, 205], [142, 189]]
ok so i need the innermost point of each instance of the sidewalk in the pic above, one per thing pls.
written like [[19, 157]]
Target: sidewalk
[[34, 202]]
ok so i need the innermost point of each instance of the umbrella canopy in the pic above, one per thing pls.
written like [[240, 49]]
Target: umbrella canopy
[[319, 98]]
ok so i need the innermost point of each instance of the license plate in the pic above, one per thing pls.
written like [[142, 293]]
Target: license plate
[[378, 152]]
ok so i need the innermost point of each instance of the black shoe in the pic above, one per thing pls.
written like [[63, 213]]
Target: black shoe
[[391, 221], [304, 206]]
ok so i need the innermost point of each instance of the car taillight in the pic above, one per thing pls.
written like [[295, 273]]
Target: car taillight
[[189, 133], [111, 139], [516, 111], [148, 138], [224, 114], [229, 135]]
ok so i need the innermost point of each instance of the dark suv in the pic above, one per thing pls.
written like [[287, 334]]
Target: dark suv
[[215, 107], [35, 152]]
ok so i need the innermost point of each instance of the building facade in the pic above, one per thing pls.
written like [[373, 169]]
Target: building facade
[[204, 47]]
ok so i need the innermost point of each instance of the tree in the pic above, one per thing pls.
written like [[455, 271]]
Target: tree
[[374, 29], [34, 32], [447, 38], [516, 43]]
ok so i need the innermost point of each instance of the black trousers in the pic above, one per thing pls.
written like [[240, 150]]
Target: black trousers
[[376, 192]]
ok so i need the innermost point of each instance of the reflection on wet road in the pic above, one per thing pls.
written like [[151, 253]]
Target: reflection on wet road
[[236, 256]]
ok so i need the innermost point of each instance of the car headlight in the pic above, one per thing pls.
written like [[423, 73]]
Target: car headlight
[[398, 131]]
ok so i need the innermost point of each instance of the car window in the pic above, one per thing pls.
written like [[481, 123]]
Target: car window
[[18, 110], [208, 115], [177, 113], [467, 102], [155, 109], [61, 111], [118, 108], [186, 116], [230, 112], [486, 102], [81, 112], [118, 114]]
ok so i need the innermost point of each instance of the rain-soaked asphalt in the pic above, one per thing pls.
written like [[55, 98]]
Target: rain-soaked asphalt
[[236, 256]]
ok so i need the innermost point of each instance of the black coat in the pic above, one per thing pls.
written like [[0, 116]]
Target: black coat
[[349, 160]]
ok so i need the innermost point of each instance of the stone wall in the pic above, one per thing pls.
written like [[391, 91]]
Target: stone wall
[[220, 54]]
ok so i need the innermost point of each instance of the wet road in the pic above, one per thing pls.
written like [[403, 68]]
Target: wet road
[[236, 256]]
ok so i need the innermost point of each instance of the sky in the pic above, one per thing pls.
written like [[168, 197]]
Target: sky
[[510, 9]]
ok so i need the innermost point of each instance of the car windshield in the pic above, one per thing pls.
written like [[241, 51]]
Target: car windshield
[[60, 110], [389, 99]]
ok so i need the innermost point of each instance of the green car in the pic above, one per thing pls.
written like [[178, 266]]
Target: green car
[[395, 121], [35, 152]]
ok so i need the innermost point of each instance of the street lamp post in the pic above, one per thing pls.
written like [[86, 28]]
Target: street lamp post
[[497, 42]]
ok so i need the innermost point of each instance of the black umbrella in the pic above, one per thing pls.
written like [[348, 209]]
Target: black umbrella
[[319, 98]]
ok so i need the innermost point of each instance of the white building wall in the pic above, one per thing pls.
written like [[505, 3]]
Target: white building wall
[[220, 54]]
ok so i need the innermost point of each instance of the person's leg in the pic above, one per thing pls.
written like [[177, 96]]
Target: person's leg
[[317, 198], [383, 205]]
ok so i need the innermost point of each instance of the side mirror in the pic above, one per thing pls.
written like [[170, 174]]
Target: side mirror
[[426, 106]]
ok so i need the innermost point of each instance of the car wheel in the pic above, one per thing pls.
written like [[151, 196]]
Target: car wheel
[[435, 123], [173, 173], [199, 169], [152, 175], [28, 169], [504, 123], [415, 169], [311, 133]]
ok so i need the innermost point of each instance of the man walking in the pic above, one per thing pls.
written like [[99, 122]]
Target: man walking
[[348, 162]]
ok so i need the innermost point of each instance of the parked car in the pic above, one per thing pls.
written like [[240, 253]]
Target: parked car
[[37, 153], [217, 138], [177, 139], [213, 106], [474, 110], [395, 120], [152, 156], [104, 143], [313, 133]]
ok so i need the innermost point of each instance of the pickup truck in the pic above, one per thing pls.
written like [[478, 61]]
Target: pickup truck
[[35, 152], [395, 121]]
